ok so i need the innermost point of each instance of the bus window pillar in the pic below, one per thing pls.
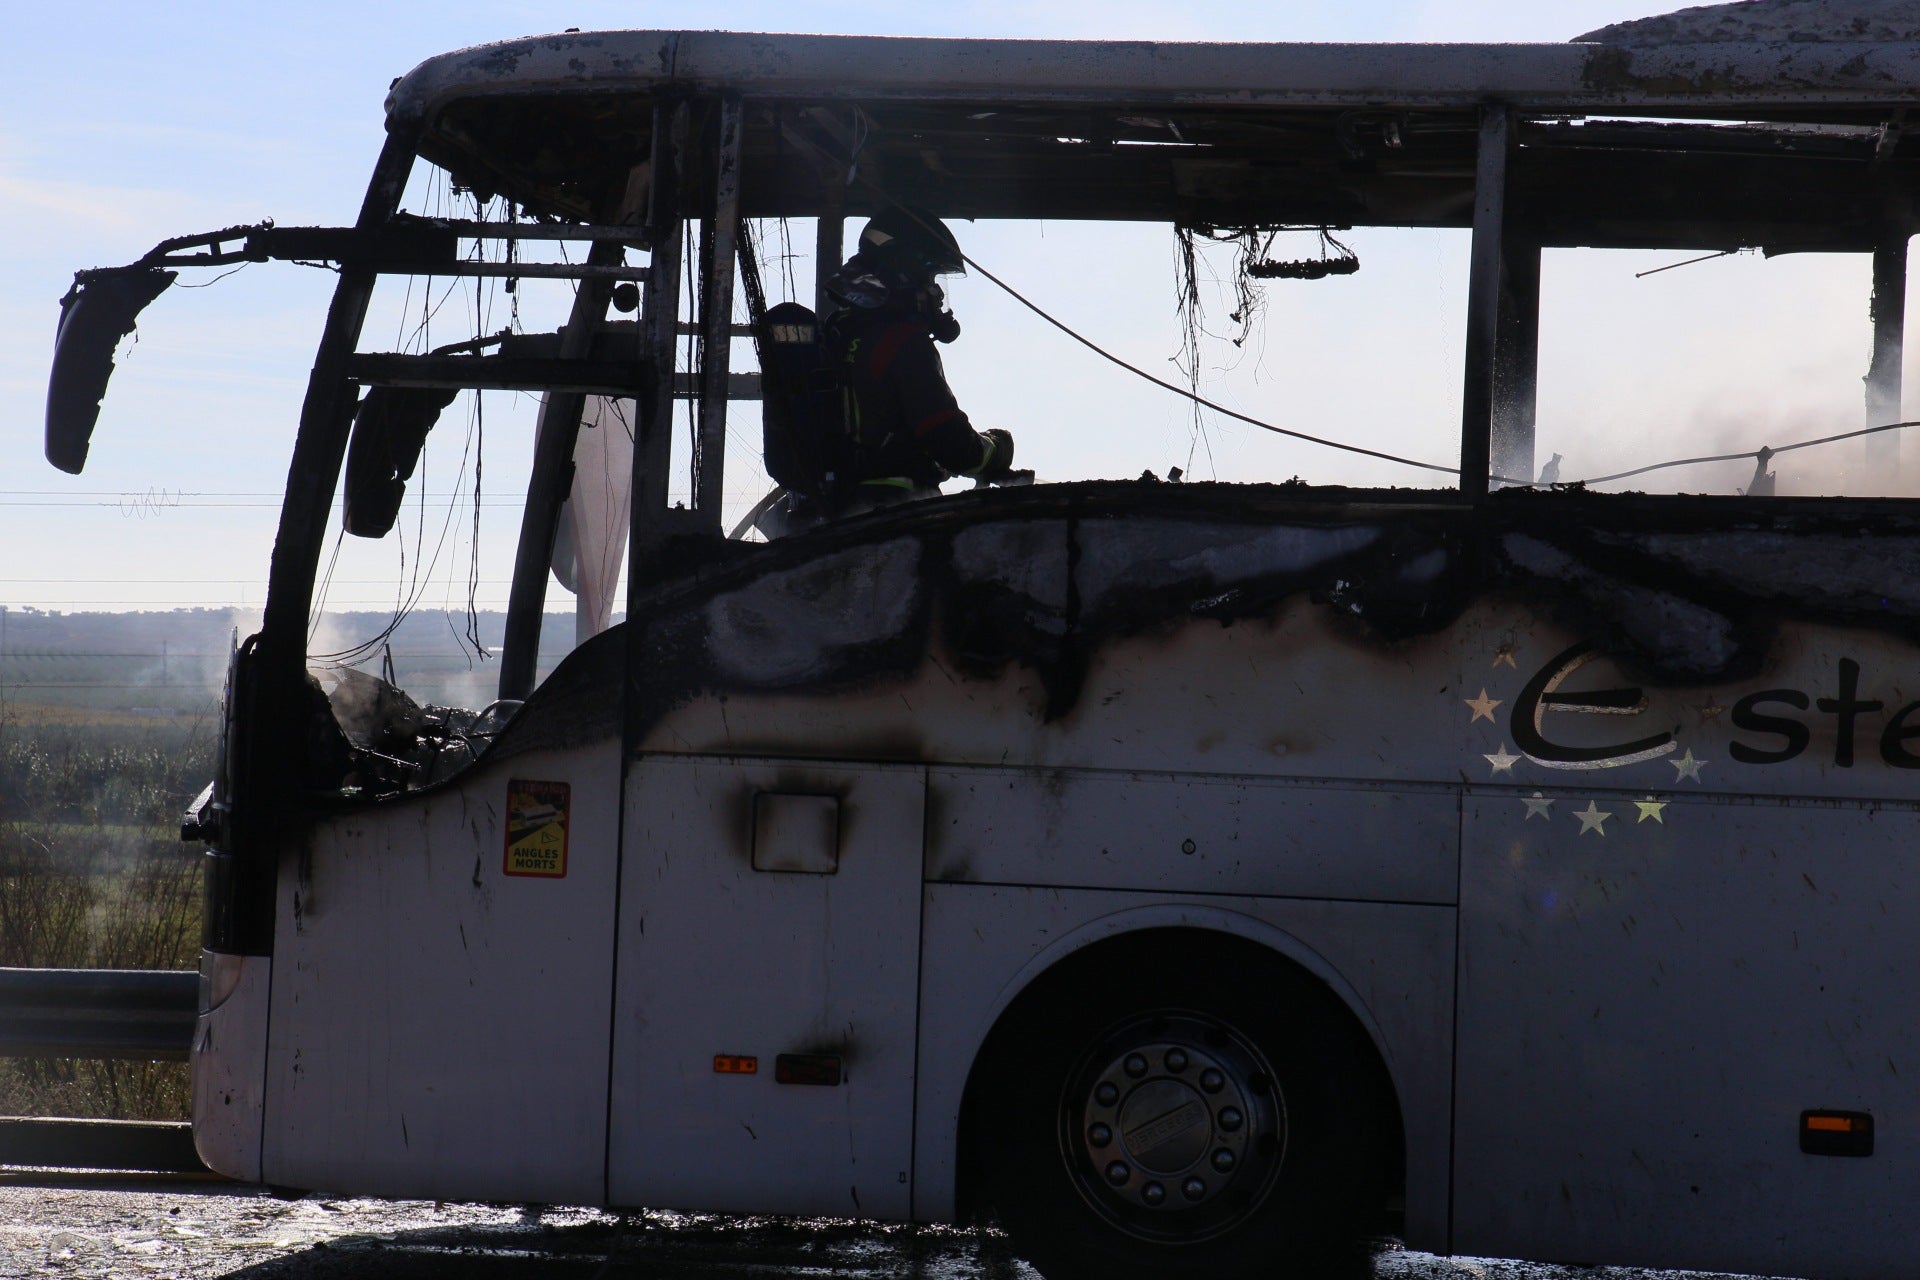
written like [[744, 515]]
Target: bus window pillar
[[1503, 297], [829, 243], [551, 477], [1889, 311], [1516, 359], [718, 243], [659, 323]]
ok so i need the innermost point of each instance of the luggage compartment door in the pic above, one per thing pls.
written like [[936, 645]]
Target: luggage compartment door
[[766, 986]]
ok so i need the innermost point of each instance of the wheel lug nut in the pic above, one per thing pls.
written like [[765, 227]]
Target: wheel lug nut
[[1118, 1173], [1099, 1135], [1223, 1161], [1153, 1194], [1107, 1094], [1176, 1060], [1231, 1119], [1212, 1081], [1136, 1065], [1193, 1188]]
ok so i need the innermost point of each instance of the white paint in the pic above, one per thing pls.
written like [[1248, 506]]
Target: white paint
[[228, 1066], [1644, 1017], [718, 958], [438, 1027], [1174, 834]]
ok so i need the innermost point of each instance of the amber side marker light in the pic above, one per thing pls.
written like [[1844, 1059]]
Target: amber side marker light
[[1836, 1133], [735, 1064]]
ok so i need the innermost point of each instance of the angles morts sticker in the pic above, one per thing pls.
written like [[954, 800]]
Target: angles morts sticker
[[537, 828]]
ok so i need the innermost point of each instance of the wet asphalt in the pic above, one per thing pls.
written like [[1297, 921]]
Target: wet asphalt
[[169, 1229]]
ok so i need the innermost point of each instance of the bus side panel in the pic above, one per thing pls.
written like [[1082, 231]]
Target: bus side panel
[[1647, 1009], [768, 909], [439, 1027], [1257, 836], [1392, 963]]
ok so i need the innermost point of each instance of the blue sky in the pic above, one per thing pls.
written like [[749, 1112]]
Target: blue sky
[[123, 124]]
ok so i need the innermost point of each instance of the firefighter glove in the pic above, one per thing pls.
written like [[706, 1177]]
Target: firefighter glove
[[997, 456]]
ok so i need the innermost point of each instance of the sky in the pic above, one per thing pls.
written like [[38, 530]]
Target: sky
[[121, 125]]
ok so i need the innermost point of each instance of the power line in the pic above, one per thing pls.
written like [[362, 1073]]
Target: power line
[[1751, 454], [1196, 398]]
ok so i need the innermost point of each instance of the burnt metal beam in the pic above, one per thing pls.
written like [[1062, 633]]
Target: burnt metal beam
[[556, 433], [659, 321], [717, 253], [738, 386], [1478, 394], [555, 375], [265, 768], [1884, 384], [1516, 358], [829, 251]]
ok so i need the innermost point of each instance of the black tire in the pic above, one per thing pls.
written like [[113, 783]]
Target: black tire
[[1176, 1104]]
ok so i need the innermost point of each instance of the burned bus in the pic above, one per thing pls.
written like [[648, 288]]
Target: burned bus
[[1194, 878]]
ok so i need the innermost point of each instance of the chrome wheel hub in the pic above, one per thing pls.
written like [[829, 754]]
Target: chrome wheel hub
[[1174, 1126]]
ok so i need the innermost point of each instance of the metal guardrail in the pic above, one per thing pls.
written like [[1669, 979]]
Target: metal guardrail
[[146, 1014], [140, 1145], [142, 1014]]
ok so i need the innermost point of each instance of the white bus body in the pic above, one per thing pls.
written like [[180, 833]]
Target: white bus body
[[1195, 875]]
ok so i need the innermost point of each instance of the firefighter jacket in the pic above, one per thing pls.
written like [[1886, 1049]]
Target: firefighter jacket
[[902, 420]]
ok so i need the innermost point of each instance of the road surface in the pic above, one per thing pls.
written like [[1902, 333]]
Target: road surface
[[169, 1229]]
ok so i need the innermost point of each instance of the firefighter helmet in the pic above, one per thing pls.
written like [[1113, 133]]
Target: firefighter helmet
[[914, 243]]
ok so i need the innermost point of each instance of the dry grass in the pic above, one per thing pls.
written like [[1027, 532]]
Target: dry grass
[[92, 875]]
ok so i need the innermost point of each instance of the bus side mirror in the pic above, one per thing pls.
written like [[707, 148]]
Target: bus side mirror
[[388, 433], [95, 314]]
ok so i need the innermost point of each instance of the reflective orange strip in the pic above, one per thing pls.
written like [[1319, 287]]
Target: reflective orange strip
[[735, 1064], [1830, 1124]]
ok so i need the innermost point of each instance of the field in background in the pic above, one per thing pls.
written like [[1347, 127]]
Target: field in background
[[108, 729], [93, 875]]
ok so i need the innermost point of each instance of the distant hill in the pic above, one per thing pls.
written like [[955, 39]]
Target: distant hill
[[175, 661]]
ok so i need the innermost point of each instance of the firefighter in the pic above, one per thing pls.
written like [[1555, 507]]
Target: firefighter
[[905, 431]]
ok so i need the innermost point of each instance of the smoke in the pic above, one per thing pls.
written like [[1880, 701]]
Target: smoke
[[1724, 357]]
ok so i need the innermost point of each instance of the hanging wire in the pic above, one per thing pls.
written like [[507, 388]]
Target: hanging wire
[[1751, 453], [473, 449], [1194, 396], [482, 318], [1511, 481], [854, 175]]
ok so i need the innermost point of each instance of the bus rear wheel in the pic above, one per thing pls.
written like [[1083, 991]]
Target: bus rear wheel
[[1166, 1124]]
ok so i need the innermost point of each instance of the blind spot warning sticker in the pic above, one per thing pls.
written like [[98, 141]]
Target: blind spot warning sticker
[[537, 828]]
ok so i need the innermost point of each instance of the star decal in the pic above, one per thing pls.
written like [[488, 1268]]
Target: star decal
[[1482, 706], [1688, 767], [1709, 710], [1504, 658], [1650, 808], [1592, 818], [1503, 760], [1537, 806]]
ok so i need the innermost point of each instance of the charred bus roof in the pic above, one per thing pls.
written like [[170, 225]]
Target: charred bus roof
[[1682, 135]]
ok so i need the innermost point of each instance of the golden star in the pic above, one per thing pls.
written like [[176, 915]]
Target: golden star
[[1537, 806], [1503, 760], [1504, 658], [1482, 706], [1709, 710], [1650, 808], [1688, 767], [1592, 818]]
